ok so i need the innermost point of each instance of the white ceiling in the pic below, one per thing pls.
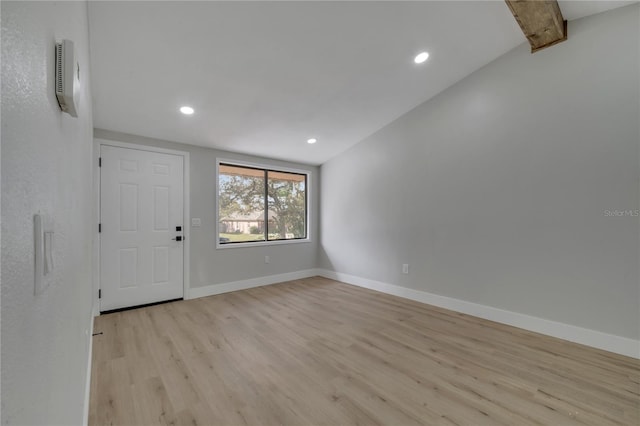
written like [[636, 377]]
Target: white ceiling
[[264, 77]]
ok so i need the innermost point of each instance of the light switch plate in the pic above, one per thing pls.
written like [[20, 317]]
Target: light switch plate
[[195, 222], [43, 245]]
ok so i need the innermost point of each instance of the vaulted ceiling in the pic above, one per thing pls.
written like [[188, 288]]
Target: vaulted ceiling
[[263, 77]]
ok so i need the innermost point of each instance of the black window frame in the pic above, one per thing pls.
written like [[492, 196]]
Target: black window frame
[[265, 170]]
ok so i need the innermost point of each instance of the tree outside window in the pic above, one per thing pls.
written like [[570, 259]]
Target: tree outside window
[[243, 194]]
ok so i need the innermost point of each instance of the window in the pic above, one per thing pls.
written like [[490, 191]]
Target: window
[[258, 204]]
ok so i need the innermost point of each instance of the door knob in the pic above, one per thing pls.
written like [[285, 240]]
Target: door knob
[[178, 238]]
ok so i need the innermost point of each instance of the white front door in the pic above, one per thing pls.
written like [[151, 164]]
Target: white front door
[[141, 216]]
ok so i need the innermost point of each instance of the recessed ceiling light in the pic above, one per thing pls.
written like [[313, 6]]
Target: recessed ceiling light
[[312, 140], [421, 57], [187, 110]]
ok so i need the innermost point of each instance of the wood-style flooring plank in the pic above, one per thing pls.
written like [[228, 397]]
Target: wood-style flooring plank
[[320, 352]]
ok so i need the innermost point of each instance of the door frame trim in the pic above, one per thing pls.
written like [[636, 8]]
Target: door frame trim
[[186, 264]]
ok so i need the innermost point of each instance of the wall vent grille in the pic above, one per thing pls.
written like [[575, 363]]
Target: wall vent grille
[[59, 69]]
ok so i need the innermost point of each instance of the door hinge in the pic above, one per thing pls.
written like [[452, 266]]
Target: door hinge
[[100, 294], [99, 227], [99, 161]]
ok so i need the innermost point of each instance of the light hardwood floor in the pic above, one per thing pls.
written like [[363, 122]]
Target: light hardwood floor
[[320, 352]]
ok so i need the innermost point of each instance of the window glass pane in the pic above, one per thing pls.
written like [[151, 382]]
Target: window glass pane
[[241, 204], [286, 195]]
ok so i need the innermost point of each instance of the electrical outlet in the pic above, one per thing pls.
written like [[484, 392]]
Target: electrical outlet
[[266, 259], [405, 268]]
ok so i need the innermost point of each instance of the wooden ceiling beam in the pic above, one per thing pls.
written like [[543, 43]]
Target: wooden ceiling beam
[[541, 22]]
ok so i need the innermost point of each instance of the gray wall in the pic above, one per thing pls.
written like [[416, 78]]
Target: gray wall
[[496, 191], [46, 167], [208, 265]]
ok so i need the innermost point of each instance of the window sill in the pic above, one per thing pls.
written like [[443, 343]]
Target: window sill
[[261, 244]]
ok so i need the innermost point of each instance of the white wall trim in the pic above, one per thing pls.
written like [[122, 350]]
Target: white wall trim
[[87, 386], [95, 270], [584, 336], [213, 289]]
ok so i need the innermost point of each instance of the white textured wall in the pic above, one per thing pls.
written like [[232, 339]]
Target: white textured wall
[[46, 167], [210, 266], [495, 191]]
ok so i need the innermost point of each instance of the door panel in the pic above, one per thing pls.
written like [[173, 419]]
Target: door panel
[[141, 204]]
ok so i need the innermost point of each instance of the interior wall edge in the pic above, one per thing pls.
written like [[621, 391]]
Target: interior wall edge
[[87, 389]]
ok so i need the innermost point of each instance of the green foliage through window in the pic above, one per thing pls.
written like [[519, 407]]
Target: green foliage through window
[[260, 204]]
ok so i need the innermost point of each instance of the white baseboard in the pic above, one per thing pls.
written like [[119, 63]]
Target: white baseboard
[[87, 386], [210, 290], [584, 336]]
